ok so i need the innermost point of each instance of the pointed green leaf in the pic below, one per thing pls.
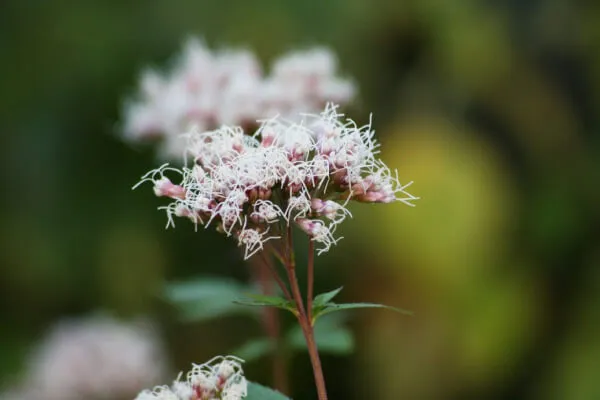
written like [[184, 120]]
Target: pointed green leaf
[[332, 307], [255, 349], [217, 309], [202, 288], [324, 298], [268, 301], [274, 301], [260, 392], [205, 298]]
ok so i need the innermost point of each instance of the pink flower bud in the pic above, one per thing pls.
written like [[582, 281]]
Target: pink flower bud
[[316, 204], [307, 225], [164, 187], [267, 137]]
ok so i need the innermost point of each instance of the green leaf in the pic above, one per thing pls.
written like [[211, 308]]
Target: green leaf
[[255, 349], [332, 307], [202, 288], [206, 298], [324, 298], [331, 337], [260, 392], [268, 301]]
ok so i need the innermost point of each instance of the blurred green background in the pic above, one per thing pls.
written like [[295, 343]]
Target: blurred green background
[[489, 106]]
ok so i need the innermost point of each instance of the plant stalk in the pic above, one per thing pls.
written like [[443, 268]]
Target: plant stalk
[[304, 320], [311, 279]]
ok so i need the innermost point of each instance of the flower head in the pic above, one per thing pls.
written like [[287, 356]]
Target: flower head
[[93, 358], [303, 173], [221, 378], [207, 89]]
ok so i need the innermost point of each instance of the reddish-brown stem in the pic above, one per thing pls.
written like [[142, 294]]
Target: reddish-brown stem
[[303, 319], [311, 279]]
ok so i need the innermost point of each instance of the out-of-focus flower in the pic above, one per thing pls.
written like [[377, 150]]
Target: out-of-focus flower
[[94, 358], [207, 89], [302, 172], [221, 378], [18, 394]]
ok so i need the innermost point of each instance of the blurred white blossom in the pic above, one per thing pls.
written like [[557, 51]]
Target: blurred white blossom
[[207, 89], [93, 358], [304, 172], [19, 393], [221, 378]]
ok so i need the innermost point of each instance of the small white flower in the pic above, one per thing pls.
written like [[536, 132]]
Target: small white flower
[[146, 395], [330, 209], [297, 206], [159, 393], [252, 240], [236, 390], [319, 232], [204, 381], [183, 390], [267, 211]]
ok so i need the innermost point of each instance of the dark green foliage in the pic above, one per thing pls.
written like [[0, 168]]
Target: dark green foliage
[[260, 392]]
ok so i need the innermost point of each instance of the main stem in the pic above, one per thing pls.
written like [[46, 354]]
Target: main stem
[[304, 318]]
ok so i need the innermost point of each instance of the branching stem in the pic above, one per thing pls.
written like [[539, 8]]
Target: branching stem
[[269, 265], [311, 278], [304, 320]]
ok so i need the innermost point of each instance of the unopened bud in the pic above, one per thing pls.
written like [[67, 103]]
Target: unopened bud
[[164, 187]]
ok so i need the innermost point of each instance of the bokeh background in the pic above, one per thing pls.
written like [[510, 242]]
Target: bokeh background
[[489, 106]]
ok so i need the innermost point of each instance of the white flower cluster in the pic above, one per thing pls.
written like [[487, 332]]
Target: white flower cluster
[[95, 358], [221, 378], [207, 89], [303, 172]]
